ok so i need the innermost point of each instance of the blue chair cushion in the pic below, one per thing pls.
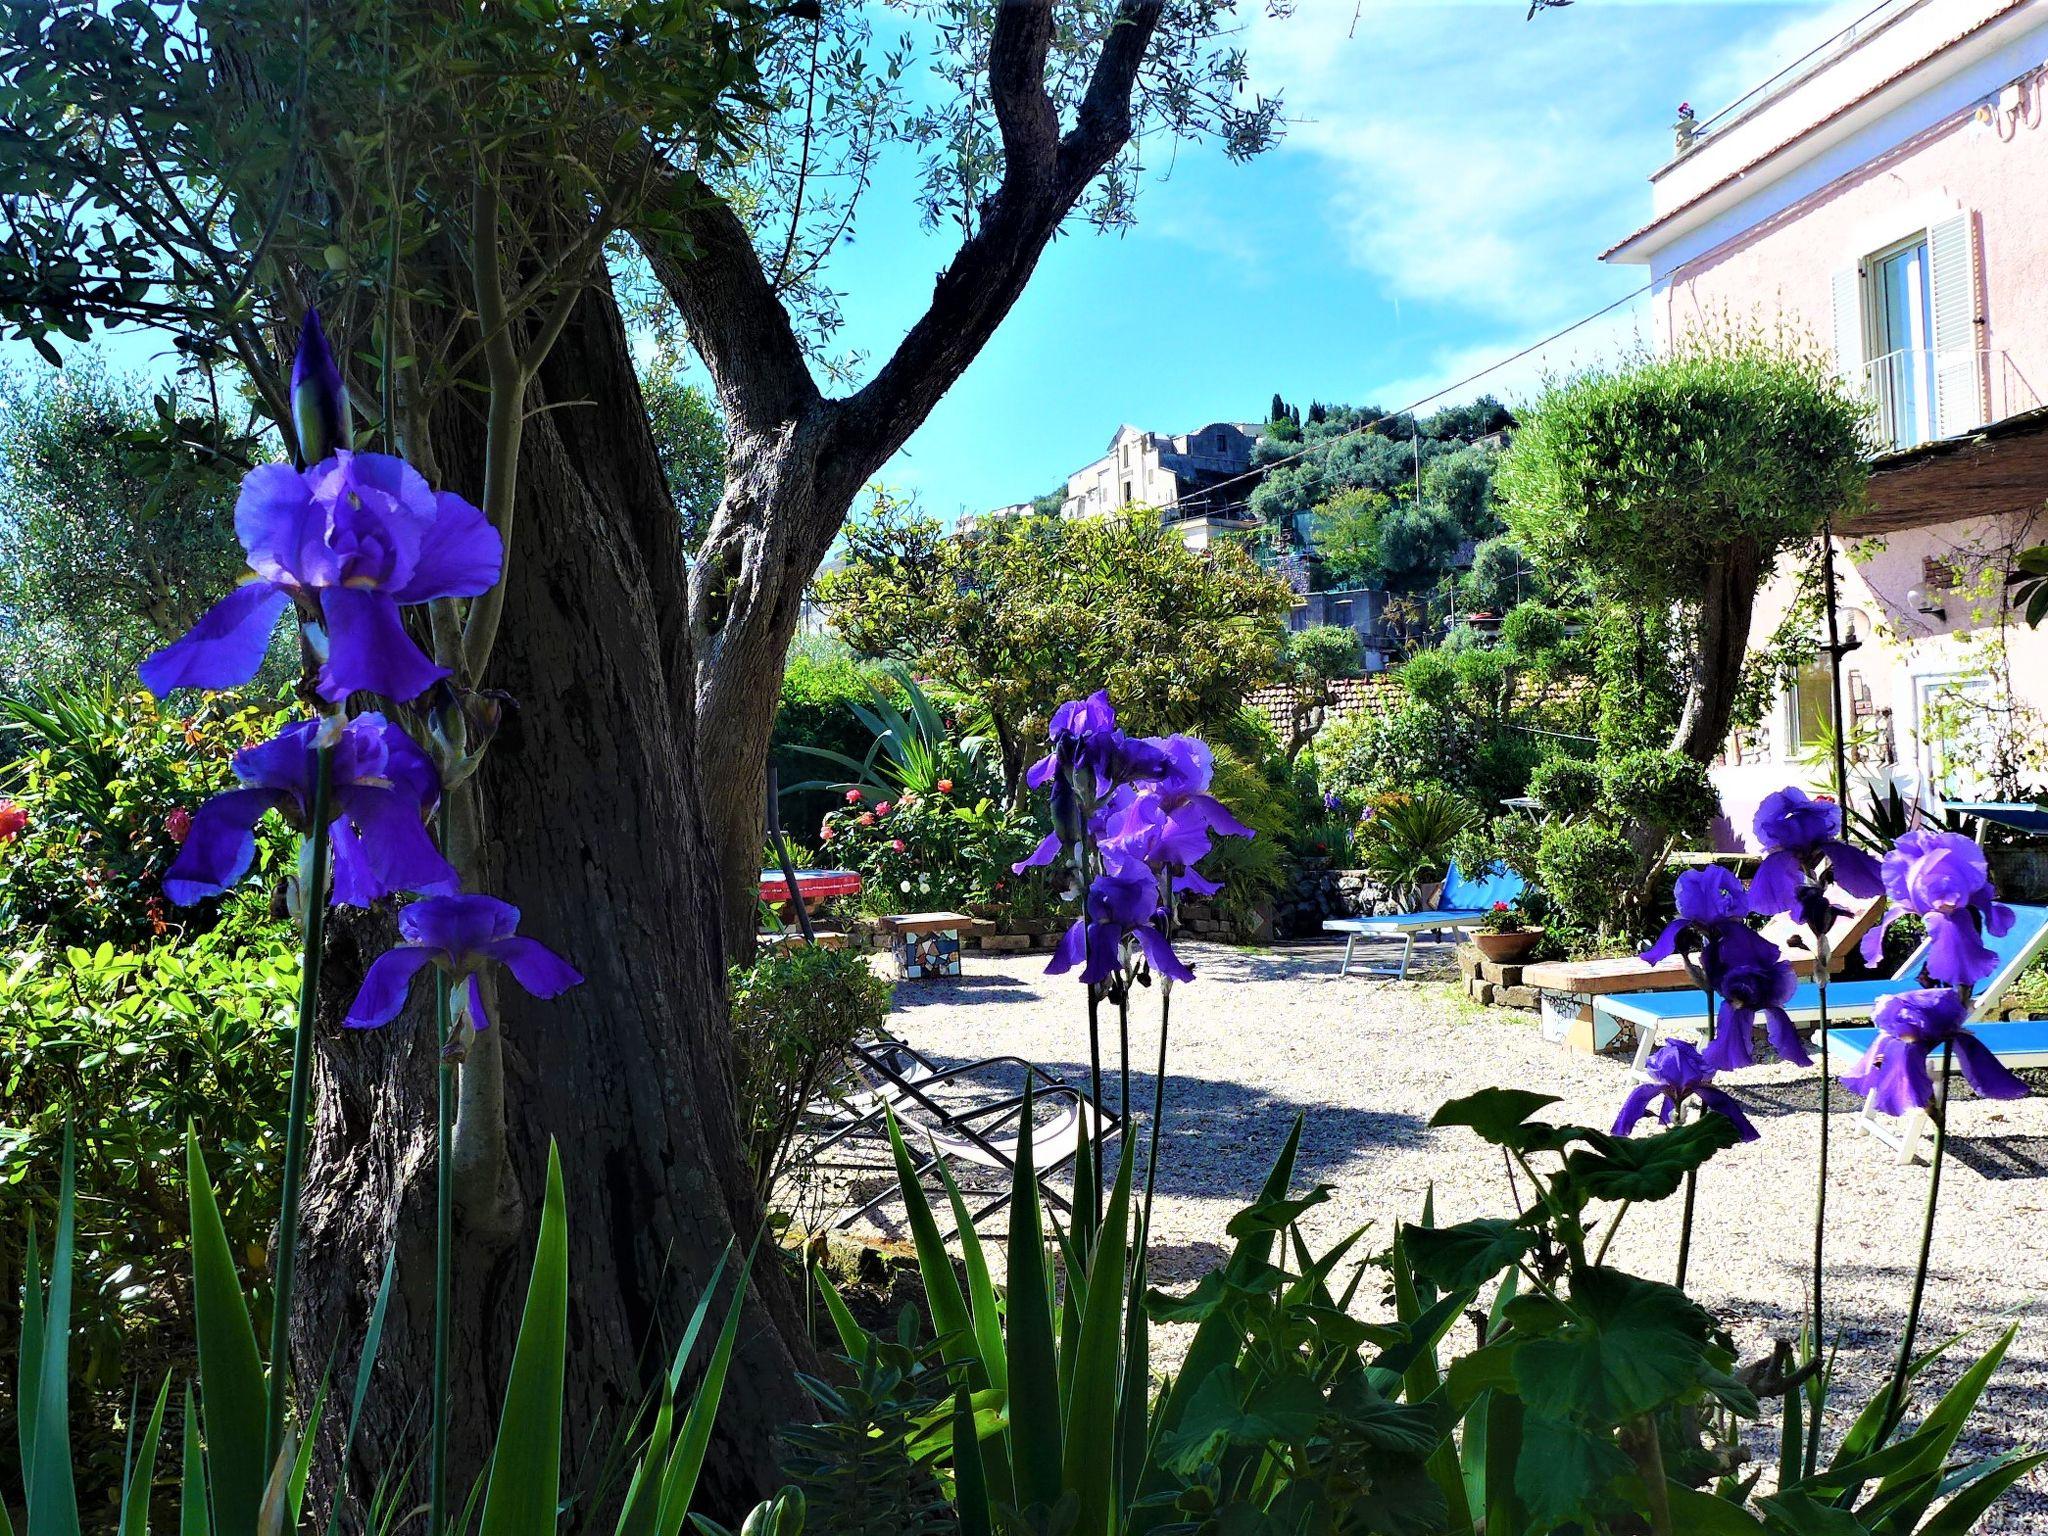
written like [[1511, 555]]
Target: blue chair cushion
[[1463, 895]]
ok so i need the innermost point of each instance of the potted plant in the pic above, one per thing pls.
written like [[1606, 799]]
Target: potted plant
[[1503, 937]]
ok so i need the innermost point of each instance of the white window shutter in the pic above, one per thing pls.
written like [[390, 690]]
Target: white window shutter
[[1959, 404], [1849, 359]]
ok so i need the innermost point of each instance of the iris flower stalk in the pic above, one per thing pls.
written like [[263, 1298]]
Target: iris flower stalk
[[313, 906], [1805, 854]]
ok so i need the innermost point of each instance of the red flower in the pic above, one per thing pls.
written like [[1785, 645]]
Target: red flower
[[945, 786], [178, 824], [882, 809], [1500, 906], [826, 834], [867, 818], [13, 819], [897, 844], [853, 797]]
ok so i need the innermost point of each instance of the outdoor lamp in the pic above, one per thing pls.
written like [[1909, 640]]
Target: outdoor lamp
[[1921, 600]]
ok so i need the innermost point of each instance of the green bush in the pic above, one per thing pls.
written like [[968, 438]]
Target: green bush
[[1664, 790], [1586, 868], [126, 1048], [1566, 786], [948, 848], [108, 784], [1252, 869], [1532, 631], [816, 710], [1406, 747], [1409, 839], [1431, 677], [795, 1014]]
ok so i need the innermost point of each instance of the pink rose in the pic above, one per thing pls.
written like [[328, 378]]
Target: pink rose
[[178, 824], [897, 844], [853, 797]]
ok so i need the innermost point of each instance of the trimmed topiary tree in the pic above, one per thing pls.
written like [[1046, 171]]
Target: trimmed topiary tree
[[1678, 480]]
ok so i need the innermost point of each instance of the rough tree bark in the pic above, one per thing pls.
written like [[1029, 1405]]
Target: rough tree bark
[[594, 828], [623, 813], [1720, 639]]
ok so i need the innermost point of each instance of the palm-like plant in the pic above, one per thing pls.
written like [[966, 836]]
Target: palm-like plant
[[1406, 842], [912, 748]]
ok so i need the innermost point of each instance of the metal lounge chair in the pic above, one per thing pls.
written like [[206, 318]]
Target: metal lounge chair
[[1461, 906], [954, 1115], [1653, 1013], [2019, 1043]]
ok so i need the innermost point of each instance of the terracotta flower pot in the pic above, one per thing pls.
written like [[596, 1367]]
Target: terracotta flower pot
[[1505, 948]]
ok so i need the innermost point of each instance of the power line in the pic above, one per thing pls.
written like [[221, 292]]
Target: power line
[[1409, 410]]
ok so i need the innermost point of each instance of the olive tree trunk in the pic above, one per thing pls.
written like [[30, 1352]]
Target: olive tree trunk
[[592, 824], [1727, 606]]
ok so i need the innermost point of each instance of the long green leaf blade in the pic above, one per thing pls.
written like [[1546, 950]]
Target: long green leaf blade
[[942, 1286], [1032, 1366], [231, 1390], [52, 1491], [679, 1483], [526, 1464], [1092, 1414], [193, 1516], [141, 1476], [29, 1378]]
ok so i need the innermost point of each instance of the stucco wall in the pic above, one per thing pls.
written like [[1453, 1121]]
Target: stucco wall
[[1785, 266]]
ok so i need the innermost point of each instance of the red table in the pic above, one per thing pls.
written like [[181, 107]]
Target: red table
[[816, 886]]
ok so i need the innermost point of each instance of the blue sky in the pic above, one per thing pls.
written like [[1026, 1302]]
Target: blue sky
[[1439, 202], [1449, 175]]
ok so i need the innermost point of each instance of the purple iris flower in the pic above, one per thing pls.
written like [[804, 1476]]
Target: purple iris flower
[[319, 398], [1122, 901], [1169, 841], [1753, 980], [1909, 1027], [349, 541], [461, 935], [1078, 728], [1801, 834], [1678, 1072], [381, 786], [1710, 901], [1943, 876], [1184, 784]]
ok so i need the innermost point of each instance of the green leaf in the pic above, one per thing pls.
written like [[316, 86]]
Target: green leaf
[[1564, 1471], [1943, 1425], [679, 1482], [1792, 1513], [194, 1518], [1092, 1412], [1467, 1255], [52, 1490], [853, 1339], [950, 1317], [1635, 1346], [373, 1338], [970, 1487], [525, 1487], [231, 1389], [1275, 1215], [135, 1491], [1962, 1512], [984, 1311], [1648, 1168], [1702, 1514], [1499, 1115], [28, 1380], [1032, 1366]]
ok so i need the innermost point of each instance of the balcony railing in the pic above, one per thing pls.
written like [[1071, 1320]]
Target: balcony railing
[[1921, 395]]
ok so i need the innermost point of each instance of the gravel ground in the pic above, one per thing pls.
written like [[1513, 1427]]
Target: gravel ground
[[1264, 1035]]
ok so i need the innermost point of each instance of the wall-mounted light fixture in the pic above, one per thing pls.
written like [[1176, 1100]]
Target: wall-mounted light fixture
[[1922, 600]]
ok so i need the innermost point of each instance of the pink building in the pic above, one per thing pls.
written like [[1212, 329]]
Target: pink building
[[1887, 196]]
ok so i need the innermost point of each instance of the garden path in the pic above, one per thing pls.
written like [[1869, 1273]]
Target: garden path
[[1263, 1034]]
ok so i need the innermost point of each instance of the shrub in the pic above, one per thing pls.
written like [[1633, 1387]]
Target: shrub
[[938, 849], [1409, 746], [1252, 869], [1409, 839], [1532, 631], [816, 711], [1566, 786], [1667, 791], [795, 1014], [1586, 868], [107, 784], [127, 1048], [1431, 677]]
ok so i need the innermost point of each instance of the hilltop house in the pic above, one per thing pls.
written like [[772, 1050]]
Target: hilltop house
[[1198, 480], [1888, 194]]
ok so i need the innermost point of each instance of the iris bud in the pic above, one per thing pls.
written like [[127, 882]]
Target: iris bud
[[319, 398]]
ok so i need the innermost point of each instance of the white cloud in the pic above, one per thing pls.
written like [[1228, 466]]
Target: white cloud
[[1473, 158]]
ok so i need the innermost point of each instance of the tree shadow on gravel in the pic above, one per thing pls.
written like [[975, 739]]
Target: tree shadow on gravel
[[961, 991]]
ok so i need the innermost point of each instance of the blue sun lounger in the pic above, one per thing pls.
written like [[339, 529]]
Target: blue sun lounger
[[1462, 904], [2019, 1043], [1651, 1014]]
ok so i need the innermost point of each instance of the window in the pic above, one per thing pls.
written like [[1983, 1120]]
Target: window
[[1127, 493], [1807, 711], [1340, 614], [1905, 321], [1223, 442], [1902, 347]]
